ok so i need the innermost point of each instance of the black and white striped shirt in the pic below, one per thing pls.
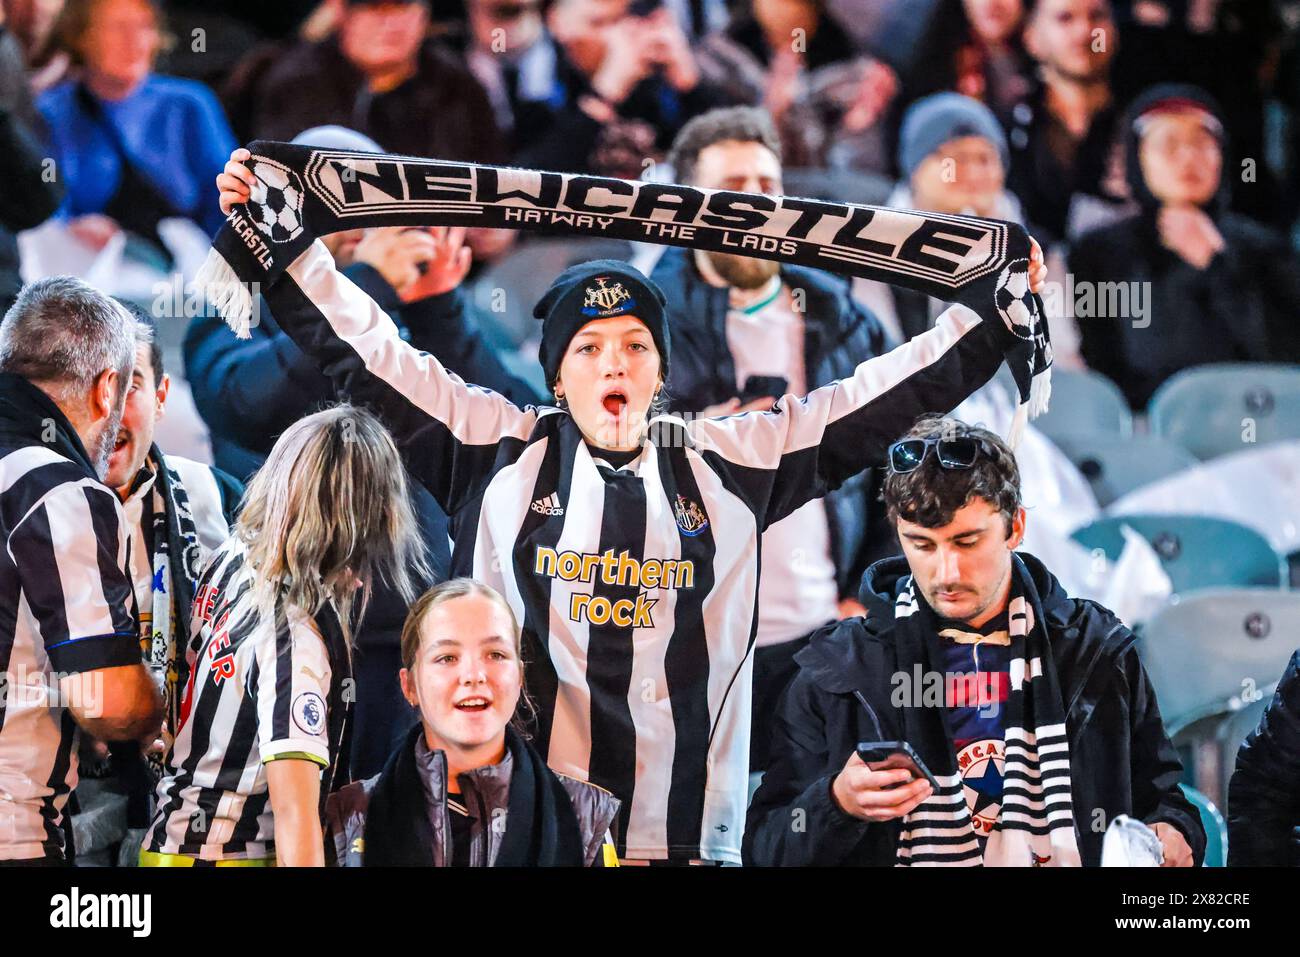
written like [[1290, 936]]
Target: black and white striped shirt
[[66, 607], [636, 587], [263, 681]]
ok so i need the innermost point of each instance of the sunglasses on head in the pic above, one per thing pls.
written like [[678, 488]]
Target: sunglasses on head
[[906, 455]]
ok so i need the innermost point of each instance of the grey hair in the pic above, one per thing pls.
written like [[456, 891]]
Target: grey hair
[[62, 333]]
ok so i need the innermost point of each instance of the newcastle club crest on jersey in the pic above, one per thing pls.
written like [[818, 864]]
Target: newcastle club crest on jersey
[[690, 517], [603, 301]]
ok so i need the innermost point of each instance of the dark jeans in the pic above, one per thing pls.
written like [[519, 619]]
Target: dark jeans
[[774, 667]]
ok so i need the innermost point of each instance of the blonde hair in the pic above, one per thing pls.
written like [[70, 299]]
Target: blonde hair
[[330, 508]]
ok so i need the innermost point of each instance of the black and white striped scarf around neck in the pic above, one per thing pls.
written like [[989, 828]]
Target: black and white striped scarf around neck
[[1035, 826]]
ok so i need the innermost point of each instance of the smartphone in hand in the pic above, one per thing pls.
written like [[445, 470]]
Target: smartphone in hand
[[891, 755]]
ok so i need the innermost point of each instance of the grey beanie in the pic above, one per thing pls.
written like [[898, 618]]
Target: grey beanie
[[934, 120]]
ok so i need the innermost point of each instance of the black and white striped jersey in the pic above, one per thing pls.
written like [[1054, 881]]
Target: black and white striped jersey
[[637, 586], [66, 607], [261, 682]]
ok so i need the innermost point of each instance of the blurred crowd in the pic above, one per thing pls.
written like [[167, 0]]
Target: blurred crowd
[[1148, 142], [1150, 146]]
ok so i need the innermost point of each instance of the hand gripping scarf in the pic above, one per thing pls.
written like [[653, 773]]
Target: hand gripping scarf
[[306, 192], [1035, 826]]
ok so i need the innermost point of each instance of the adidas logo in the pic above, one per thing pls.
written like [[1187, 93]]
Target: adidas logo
[[550, 505]]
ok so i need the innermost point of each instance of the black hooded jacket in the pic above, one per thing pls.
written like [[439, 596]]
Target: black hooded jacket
[[1264, 793], [1242, 307], [1121, 760]]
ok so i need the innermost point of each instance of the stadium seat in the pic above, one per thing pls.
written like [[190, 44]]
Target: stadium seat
[[1218, 650], [1214, 659], [1216, 828], [506, 292], [1115, 464], [1084, 402], [1212, 410], [1195, 551]]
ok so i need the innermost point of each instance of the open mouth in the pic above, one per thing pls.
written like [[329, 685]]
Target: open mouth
[[473, 705], [614, 403], [122, 439]]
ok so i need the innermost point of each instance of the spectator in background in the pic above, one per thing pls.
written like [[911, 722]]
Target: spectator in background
[[1231, 49], [513, 56], [250, 391], [1063, 133], [32, 22], [30, 194], [1220, 287], [790, 57], [990, 63], [953, 156], [627, 82], [65, 365], [755, 330], [1264, 792], [380, 75], [558, 118], [131, 147]]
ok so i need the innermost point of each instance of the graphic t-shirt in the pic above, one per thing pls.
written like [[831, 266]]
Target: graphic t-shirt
[[975, 664]]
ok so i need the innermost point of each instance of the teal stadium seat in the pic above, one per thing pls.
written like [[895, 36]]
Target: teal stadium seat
[[1217, 409], [1196, 551], [1083, 402], [1214, 658], [1115, 464], [1216, 828], [1218, 647]]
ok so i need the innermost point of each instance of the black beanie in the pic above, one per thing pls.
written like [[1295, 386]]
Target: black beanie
[[599, 289]]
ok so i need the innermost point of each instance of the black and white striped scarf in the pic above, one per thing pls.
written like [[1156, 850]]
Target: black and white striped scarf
[[305, 193], [1035, 825]]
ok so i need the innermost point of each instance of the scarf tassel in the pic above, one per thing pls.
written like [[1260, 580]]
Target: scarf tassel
[[227, 293]]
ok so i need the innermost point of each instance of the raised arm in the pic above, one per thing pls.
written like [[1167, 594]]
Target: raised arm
[[807, 446], [452, 435]]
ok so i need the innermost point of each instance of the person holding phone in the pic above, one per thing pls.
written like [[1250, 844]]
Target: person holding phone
[[754, 331], [976, 714]]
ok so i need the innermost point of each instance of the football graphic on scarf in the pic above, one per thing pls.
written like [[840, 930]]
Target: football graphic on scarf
[[276, 201], [1014, 300]]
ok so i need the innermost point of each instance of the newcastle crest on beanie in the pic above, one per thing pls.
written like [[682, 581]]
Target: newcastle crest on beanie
[[600, 289]]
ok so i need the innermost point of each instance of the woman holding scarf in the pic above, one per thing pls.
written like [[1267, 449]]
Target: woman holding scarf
[[267, 671], [466, 789], [627, 548]]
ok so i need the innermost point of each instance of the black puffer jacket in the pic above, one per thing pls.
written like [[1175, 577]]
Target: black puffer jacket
[[839, 333], [1264, 794], [486, 791], [1121, 761]]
